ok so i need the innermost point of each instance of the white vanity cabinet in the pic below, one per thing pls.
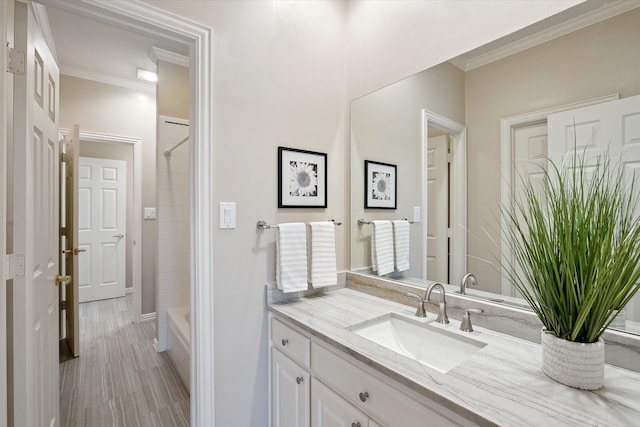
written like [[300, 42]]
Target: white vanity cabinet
[[341, 391]]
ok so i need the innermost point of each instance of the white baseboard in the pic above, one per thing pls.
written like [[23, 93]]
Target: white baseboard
[[147, 317]]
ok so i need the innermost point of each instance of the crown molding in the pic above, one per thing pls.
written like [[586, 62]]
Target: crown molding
[[158, 54], [543, 36], [107, 79]]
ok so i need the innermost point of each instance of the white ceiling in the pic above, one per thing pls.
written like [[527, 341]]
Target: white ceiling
[[96, 51]]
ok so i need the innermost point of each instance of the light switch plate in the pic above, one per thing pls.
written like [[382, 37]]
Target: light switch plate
[[416, 214], [149, 213], [227, 215]]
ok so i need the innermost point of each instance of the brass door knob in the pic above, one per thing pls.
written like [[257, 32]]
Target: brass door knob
[[64, 280]]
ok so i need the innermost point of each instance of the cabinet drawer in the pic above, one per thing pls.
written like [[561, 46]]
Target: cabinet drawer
[[290, 342], [374, 396]]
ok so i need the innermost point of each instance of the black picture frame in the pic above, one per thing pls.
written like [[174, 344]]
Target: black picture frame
[[302, 178], [381, 185]]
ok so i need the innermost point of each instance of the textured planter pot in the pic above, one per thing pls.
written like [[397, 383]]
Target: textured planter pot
[[574, 364]]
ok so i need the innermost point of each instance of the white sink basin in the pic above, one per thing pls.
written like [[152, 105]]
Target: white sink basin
[[431, 344]]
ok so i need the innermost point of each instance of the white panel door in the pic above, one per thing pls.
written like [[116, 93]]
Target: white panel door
[[611, 128], [438, 209], [529, 165], [328, 409], [101, 228], [34, 395]]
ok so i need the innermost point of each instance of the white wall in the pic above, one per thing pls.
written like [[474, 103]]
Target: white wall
[[280, 79], [104, 108]]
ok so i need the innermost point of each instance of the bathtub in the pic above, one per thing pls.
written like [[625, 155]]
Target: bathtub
[[179, 342]]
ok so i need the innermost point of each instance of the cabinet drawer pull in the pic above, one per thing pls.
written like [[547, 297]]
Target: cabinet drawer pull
[[364, 396], [299, 380], [356, 424], [285, 341]]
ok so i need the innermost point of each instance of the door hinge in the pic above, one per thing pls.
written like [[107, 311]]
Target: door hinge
[[14, 266], [63, 158], [449, 157], [63, 305], [449, 233], [63, 231], [16, 61]]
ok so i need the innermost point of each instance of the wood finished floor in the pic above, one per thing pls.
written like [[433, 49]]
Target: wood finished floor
[[119, 379]]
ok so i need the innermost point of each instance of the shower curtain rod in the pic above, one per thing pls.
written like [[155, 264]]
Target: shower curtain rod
[[167, 153]]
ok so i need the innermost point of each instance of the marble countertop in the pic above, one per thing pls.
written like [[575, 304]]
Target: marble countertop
[[503, 384]]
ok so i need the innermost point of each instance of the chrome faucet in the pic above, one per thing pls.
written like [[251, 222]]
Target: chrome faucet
[[463, 282], [442, 305]]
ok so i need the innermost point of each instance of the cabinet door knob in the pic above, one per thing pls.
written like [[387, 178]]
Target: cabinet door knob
[[357, 424], [285, 341], [364, 396], [299, 380]]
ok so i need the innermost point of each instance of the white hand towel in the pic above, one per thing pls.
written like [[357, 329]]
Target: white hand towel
[[382, 247], [323, 254], [291, 257], [401, 243]]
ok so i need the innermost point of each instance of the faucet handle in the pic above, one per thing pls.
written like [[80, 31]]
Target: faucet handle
[[420, 312], [465, 324]]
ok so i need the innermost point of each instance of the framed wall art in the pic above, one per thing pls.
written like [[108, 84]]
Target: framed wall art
[[381, 185], [302, 178]]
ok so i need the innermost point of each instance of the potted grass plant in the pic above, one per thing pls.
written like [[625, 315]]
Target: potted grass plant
[[575, 240]]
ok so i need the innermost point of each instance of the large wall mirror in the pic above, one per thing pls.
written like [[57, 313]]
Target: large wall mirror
[[456, 131]]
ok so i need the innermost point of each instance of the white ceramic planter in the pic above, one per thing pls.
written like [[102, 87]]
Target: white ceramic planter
[[574, 364]]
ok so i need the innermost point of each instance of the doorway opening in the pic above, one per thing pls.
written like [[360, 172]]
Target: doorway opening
[[444, 175], [144, 18], [127, 237]]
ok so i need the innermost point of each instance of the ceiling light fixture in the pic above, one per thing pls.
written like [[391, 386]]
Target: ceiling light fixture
[[149, 76]]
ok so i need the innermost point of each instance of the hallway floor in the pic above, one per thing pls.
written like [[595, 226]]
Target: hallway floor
[[119, 379]]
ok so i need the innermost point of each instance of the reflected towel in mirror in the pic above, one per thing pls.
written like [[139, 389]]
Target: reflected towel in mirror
[[382, 247], [401, 244], [291, 257], [323, 254]]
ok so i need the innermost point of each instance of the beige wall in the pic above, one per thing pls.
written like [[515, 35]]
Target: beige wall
[[173, 90], [596, 61], [389, 39], [103, 108], [280, 78], [117, 152], [386, 126]]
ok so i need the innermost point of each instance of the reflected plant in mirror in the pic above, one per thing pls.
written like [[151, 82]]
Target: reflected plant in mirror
[[511, 99]]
